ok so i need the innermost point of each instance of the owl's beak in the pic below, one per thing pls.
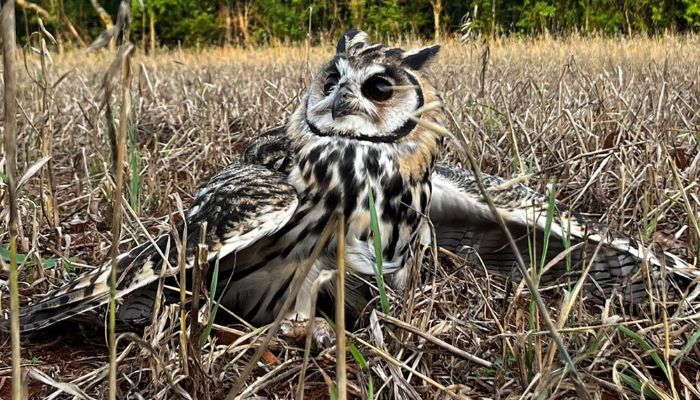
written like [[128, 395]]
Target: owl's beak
[[342, 103]]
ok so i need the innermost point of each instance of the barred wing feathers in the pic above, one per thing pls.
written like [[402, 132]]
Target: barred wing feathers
[[464, 222], [241, 205]]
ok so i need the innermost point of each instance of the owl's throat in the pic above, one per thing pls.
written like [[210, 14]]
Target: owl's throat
[[389, 137]]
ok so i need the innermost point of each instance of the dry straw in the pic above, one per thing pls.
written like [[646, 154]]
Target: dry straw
[[10, 147], [613, 121]]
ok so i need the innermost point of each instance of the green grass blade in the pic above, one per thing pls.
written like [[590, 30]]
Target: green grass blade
[[215, 307], [687, 347], [5, 255], [647, 347], [376, 234], [551, 206], [355, 352], [359, 359], [47, 263], [637, 386]]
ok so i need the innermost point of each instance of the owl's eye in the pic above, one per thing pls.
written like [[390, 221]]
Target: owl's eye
[[377, 89], [331, 82]]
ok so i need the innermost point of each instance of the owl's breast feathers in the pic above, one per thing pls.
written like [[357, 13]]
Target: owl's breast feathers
[[335, 175]]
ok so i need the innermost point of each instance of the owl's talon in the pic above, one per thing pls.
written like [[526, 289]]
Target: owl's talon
[[323, 336], [295, 329]]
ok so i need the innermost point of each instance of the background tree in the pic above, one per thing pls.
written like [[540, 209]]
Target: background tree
[[254, 22], [691, 14]]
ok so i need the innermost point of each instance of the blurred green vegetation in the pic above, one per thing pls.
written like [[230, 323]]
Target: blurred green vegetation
[[252, 22]]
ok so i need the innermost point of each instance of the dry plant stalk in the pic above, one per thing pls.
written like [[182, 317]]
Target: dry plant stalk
[[10, 144], [124, 59], [390, 359], [341, 373], [321, 280], [45, 135], [408, 327], [182, 268], [199, 271]]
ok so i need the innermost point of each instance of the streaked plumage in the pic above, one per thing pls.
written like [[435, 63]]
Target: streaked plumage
[[464, 225], [463, 222], [241, 204], [352, 131]]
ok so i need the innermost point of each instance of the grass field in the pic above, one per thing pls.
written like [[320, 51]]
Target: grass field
[[614, 122]]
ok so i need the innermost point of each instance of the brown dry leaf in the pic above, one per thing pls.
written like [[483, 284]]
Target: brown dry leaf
[[680, 158], [609, 140], [270, 359], [226, 337]]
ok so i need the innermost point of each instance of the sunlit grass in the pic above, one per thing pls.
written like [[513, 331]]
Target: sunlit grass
[[581, 111]]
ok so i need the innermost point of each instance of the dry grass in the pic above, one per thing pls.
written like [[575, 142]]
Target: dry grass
[[614, 122]]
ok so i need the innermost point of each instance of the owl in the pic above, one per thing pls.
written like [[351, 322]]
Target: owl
[[360, 132]]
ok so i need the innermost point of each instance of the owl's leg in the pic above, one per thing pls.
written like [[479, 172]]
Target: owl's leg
[[298, 322]]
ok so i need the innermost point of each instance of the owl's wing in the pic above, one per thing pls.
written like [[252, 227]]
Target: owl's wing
[[241, 205], [464, 224], [272, 148]]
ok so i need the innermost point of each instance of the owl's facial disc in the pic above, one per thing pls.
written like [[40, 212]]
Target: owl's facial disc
[[367, 92], [369, 101]]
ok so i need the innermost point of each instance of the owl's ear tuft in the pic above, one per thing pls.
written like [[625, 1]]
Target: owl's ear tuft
[[419, 58], [351, 41]]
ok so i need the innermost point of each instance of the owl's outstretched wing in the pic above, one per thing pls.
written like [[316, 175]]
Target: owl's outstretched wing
[[241, 205], [464, 224]]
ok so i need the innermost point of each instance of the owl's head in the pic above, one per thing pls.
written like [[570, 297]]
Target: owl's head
[[368, 91]]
